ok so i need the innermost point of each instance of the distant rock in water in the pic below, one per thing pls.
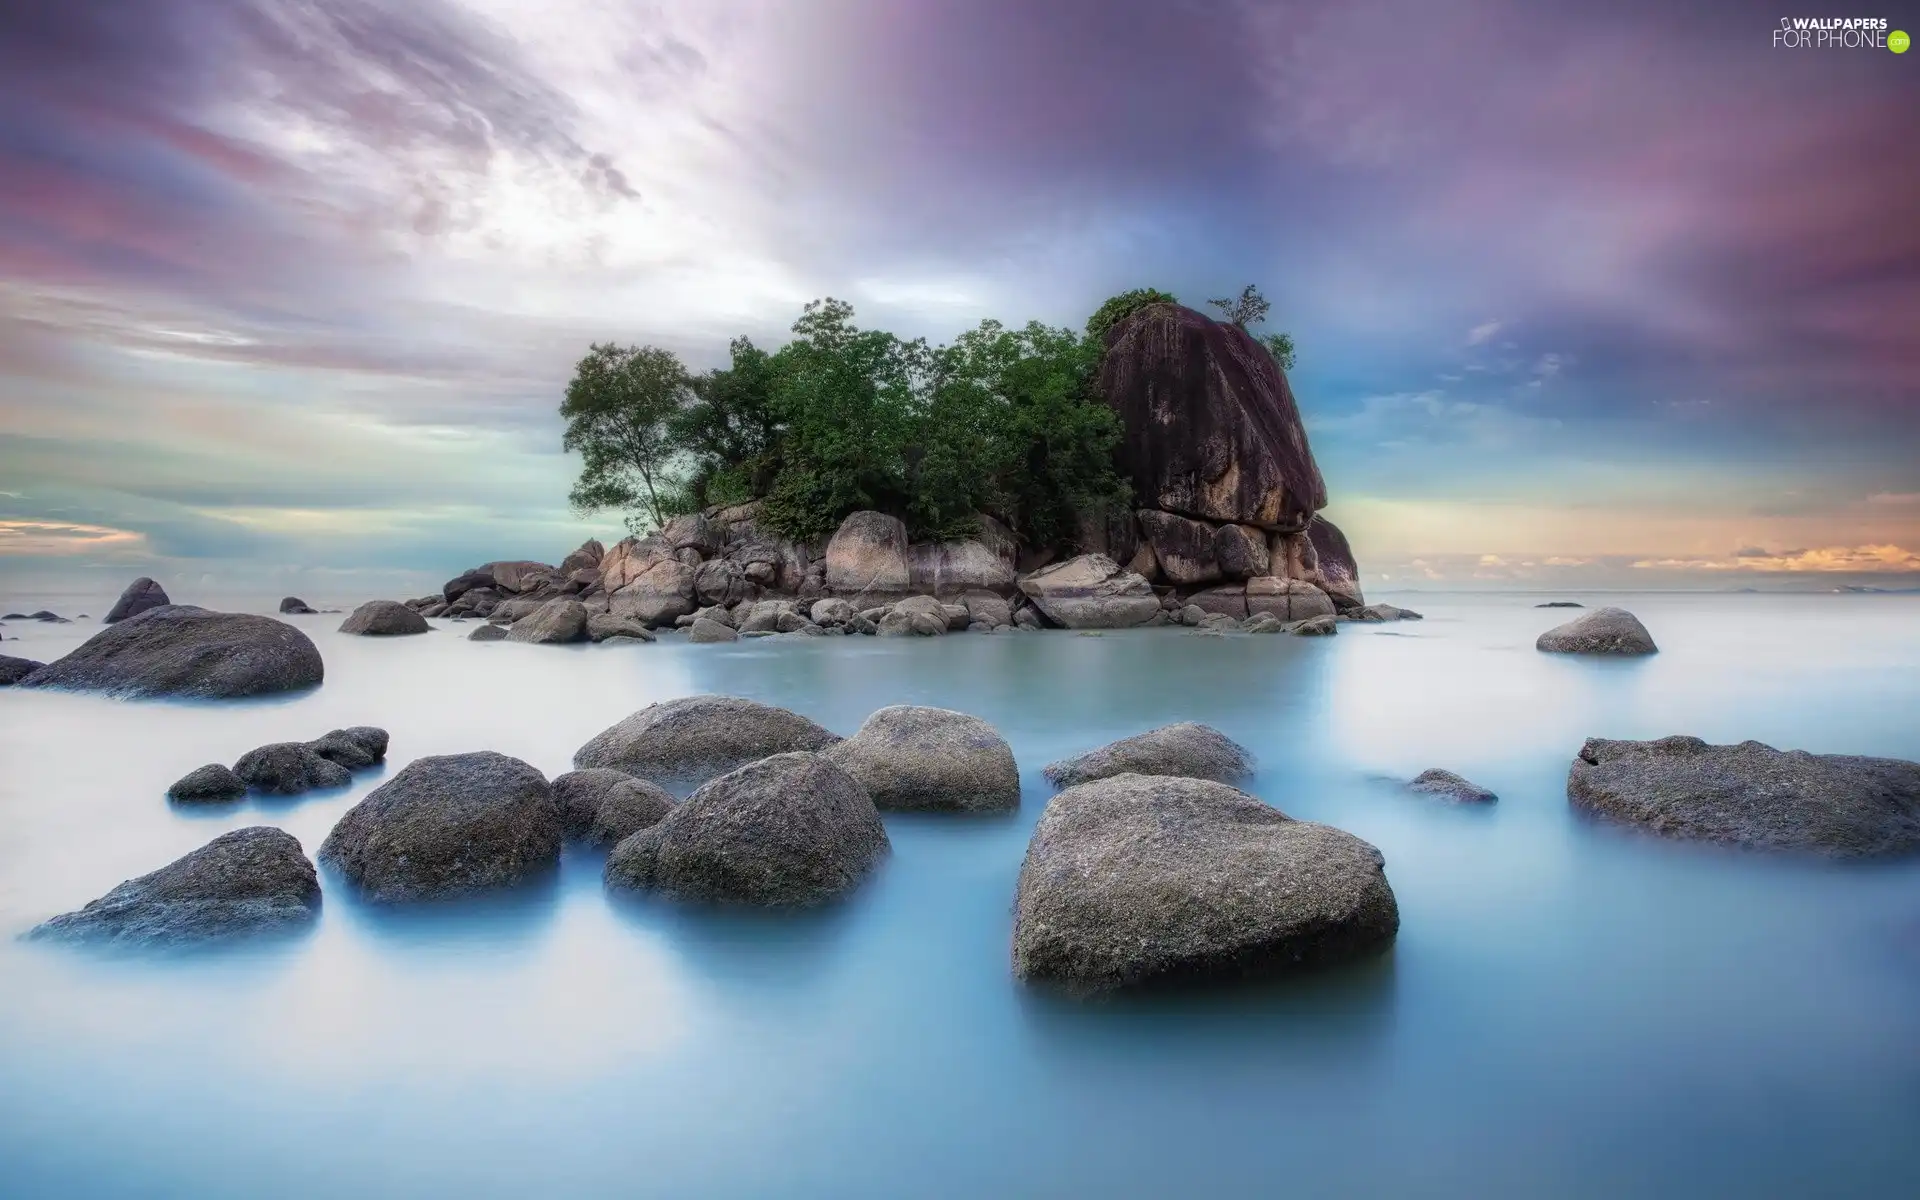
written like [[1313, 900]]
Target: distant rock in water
[[1752, 795], [1561, 604], [48, 618], [908, 756], [697, 737], [294, 605], [289, 768], [180, 650], [251, 881], [793, 830], [448, 825], [604, 807], [384, 618], [1188, 748], [211, 784], [1602, 631], [1437, 782], [13, 670], [141, 595], [1138, 880]]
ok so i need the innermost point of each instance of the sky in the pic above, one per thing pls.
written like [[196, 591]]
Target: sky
[[289, 292]]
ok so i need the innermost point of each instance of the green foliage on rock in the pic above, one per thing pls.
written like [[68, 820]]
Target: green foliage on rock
[[1119, 308]]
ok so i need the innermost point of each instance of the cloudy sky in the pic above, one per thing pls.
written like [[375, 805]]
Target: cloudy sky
[[289, 291]]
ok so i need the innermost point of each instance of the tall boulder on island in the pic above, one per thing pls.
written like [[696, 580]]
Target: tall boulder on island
[[141, 595]]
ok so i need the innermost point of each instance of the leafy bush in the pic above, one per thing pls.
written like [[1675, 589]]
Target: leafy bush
[[1119, 308]]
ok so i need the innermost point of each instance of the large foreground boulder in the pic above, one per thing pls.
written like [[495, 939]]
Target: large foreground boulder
[[1603, 631], [289, 768], [13, 670], [1752, 795], [1091, 592], [1212, 430], [384, 618], [141, 595], [180, 650], [250, 881], [603, 807], [792, 830], [911, 757], [1188, 748], [448, 825], [868, 554], [694, 738], [1144, 879]]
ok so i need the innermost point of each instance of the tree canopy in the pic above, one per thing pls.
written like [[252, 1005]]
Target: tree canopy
[[1003, 422]]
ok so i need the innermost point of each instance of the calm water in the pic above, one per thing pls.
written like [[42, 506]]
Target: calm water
[[1570, 1010]]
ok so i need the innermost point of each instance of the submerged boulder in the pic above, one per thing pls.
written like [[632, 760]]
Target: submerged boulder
[[697, 737], [384, 618], [250, 881], [180, 650], [1437, 782], [1752, 795], [602, 806], [448, 825], [1211, 427], [910, 757], [1603, 631], [793, 830], [13, 670], [1140, 879], [289, 768], [214, 783], [604, 627], [1189, 748], [1091, 592], [869, 554], [141, 595]]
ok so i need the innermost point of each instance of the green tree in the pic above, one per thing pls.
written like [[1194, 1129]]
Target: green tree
[[1251, 308], [1280, 345], [619, 409], [730, 430], [1119, 308]]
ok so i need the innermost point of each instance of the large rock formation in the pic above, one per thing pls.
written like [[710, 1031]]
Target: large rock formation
[[141, 595], [1752, 795], [1211, 428], [1143, 879], [180, 650], [250, 881], [448, 825], [695, 738], [792, 830], [1091, 592]]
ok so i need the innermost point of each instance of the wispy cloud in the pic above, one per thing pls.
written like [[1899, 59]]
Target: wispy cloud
[[1825, 560]]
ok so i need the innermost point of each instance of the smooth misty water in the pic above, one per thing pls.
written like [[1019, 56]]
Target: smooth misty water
[[1570, 1010]]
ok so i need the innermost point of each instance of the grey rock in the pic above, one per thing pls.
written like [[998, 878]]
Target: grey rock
[[1752, 795], [1264, 623], [1287, 599], [1026, 618], [448, 825], [509, 612], [353, 748], [1317, 627], [604, 626], [142, 594], [384, 618], [1436, 782], [13, 670], [1561, 604], [944, 568], [868, 555], [488, 633], [180, 650], [289, 768], [793, 830], [706, 630], [211, 784], [987, 608], [957, 617], [697, 737], [1241, 551], [910, 757], [831, 611], [1139, 880], [1190, 749], [1091, 592], [603, 807], [556, 622], [1602, 631], [248, 882]]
